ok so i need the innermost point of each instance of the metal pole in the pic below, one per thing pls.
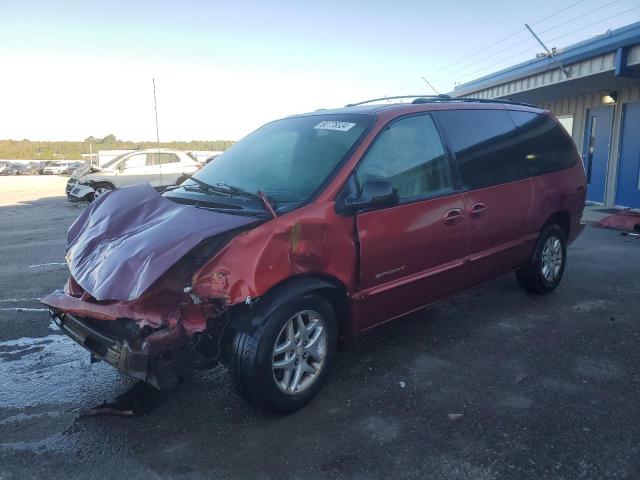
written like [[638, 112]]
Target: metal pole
[[553, 57], [155, 106]]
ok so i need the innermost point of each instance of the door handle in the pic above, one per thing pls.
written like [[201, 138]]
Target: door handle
[[453, 217], [477, 210]]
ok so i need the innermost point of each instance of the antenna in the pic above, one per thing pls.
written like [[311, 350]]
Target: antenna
[[430, 86], [551, 54], [155, 106]]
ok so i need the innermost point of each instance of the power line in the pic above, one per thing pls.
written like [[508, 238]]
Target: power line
[[517, 32], [580, 16], [482, 59], [556, 13], [499, 62], [479, 51], [594, 23], [551, 40], [510, 47]]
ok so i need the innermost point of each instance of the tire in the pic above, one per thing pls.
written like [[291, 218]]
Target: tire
[[252, 359], [100, 188], [544, 272]]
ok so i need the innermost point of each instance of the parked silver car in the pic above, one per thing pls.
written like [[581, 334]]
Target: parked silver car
[[158, 167]]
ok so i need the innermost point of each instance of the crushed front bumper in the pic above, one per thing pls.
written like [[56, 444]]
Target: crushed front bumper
[[70, 184], [155, 362], [78, 191]]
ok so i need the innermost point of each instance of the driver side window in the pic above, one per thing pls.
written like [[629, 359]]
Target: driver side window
[[409, 154], [139, 160]]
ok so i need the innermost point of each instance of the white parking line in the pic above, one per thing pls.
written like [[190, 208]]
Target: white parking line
[[22, 309], [13, 300], [47, 264]]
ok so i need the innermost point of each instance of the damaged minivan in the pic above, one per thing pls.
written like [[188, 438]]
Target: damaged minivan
[[314, 229]]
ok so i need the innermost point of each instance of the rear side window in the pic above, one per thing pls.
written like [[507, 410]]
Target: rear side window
[[544, 144], [162, 158], [409, 154], [485, 143]]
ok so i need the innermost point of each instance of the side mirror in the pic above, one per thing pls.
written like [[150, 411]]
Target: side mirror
[[374, 194], [121, 166]]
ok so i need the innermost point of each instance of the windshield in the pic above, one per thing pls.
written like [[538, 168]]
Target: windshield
[[287, 159], [114, 160]]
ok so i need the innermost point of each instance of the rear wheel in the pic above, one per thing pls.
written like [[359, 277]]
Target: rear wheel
[[547, 265], [283, 364]]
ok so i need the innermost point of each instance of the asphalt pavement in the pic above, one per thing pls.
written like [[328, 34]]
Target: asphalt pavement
[[493, 383]]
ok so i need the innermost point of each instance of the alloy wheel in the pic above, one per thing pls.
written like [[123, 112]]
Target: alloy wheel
[[300, 351], [552, 258]]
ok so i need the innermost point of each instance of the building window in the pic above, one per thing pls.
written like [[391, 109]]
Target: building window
[[567, 122]]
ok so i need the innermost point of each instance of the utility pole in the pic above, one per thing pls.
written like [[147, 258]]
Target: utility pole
[[551, 54], [155, 107]]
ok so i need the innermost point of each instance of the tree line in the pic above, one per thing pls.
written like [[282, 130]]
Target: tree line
[[63, 150]]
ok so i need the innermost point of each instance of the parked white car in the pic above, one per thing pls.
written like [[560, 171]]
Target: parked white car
[[160, 168], [55, 168]]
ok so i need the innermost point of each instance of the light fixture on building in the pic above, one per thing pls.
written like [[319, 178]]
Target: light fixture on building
[[609, 98]]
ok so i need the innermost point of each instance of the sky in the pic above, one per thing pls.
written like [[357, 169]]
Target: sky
[[72, 69]]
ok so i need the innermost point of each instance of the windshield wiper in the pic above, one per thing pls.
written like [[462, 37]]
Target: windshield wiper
[[221, 187], [269, 203], [205, 185]]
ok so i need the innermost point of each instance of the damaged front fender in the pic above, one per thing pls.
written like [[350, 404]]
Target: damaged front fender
[[310, 240]]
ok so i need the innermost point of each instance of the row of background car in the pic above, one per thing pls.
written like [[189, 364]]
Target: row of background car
[[52, 167], [38, 167]]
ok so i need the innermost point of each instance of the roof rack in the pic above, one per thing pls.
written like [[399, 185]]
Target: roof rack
[[491, 100], [419, 99]]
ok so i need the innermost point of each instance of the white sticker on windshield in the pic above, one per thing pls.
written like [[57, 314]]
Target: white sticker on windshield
[[335, 125]]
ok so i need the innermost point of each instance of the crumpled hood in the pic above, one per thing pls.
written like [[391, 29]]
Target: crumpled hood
[[87, 169], [126, 239], [83, 170]]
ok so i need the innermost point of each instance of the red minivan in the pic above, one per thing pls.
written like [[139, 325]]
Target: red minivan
[[314, 229]]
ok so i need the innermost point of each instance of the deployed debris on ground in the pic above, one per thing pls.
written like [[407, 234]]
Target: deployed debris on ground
[[138, 400], [626, 220]]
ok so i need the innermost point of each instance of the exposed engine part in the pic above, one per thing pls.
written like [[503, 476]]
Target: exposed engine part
[[206, 346]]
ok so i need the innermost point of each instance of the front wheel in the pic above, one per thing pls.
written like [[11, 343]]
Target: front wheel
[[547, 265], [283, 364]]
